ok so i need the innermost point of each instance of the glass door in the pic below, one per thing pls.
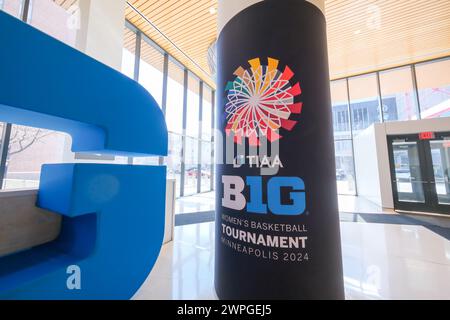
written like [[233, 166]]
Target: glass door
[[420, 172], [440, 158], [408, 183]]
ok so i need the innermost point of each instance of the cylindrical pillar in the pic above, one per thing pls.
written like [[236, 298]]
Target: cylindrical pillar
[[277, 223]]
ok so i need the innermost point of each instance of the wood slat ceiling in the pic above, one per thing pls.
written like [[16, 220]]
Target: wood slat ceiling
[[367, 35], [66, 4], [187, 23], [363, 35]]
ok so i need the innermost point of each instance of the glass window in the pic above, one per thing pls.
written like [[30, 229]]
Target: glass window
[[51, 18], [433, 81], [205, 172], [173, 160], [341, 119], [2, 126], [151, 68], [29, 147], [440, 152], [345, 171], [28, 150], [207, 113], [364, 102], [191, 164], [13, 7], [397, 92], [212, 165], [175, 92], [128, 53], [193, 107]]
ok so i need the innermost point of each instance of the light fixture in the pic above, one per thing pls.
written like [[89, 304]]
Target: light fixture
[[212, 10]]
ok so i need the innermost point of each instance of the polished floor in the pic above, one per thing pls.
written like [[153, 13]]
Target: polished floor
[[381, 261], [206, 202], [196, 203]]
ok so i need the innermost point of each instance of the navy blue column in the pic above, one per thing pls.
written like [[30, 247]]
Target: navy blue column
[[277, 223]]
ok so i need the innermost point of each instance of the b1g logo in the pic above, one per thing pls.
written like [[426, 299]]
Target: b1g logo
[[262, 100], [233, 198]]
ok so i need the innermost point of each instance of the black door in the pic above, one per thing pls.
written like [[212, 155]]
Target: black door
[[420, 172]]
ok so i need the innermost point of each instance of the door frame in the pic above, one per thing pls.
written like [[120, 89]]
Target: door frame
[[431, 203], [437, 207]]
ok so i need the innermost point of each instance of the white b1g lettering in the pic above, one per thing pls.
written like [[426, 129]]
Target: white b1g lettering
[[233, 197]]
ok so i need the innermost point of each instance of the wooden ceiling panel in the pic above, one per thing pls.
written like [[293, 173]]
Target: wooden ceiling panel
[[187, 23], [367, 35], [66, 4], [363, 35]]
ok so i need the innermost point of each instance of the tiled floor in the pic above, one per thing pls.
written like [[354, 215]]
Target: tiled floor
[[381, 261], [206, 202]]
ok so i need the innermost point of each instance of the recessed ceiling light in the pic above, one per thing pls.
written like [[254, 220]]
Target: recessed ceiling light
[[357, 32], [212, 10]]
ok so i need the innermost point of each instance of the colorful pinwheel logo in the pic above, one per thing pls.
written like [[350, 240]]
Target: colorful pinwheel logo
[[260, 101]]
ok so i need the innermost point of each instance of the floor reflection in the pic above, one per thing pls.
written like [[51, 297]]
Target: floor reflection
[[206, 202], [381, 261]]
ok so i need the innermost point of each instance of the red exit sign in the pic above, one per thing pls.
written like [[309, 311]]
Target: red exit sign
[[426, 135]]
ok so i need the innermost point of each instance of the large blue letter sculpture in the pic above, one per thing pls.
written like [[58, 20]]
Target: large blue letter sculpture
[[113, 215]]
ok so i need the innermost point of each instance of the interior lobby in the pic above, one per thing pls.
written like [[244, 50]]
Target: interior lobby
[[388, 68]]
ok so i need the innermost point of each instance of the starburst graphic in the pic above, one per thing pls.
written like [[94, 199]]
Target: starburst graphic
[[260, 102]]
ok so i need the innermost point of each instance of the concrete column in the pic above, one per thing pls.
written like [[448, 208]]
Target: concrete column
[[101, 31], [277, 221]]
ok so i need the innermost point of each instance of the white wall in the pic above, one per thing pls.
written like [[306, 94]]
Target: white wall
[[398, 128], [384, 169], [366, 166], [371, 146]]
